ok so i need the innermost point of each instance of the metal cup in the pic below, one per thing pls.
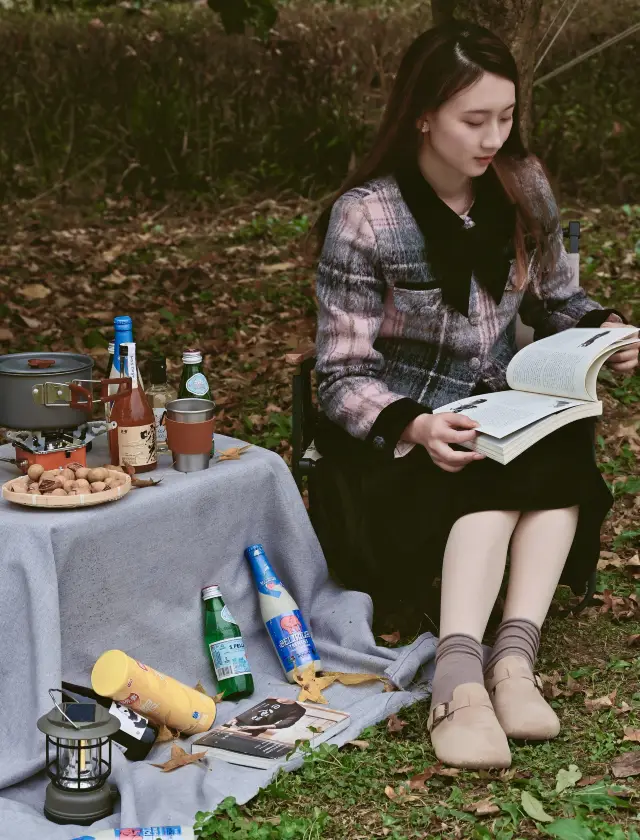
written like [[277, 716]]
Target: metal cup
[[191, 410]]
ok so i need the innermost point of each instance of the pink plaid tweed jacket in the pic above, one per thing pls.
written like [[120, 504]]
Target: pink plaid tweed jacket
[[388, 347]]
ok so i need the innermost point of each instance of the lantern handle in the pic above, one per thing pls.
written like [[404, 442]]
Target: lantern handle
[[51, 690]]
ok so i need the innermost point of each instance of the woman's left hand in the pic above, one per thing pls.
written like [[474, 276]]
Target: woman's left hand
[[625, 360]]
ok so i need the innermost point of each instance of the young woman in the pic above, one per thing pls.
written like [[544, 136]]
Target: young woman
[[446, 232]]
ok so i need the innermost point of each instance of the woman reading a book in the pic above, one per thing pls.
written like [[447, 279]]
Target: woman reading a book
[[446, 232]]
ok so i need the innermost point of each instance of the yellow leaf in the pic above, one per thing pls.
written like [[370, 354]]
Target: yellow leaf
[[179, 758], [233, 453], [353, 679], [34, 291], [310, 685], [166, 734]]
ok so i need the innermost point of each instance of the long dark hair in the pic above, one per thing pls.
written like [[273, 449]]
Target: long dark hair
[[439, 64]]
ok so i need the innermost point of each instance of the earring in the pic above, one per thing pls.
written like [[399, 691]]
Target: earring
[[425, 127]]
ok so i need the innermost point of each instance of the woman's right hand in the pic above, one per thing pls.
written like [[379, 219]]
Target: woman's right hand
[[436, 431]]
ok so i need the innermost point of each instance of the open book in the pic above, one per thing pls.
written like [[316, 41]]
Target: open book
[[552, 381], [266, 733]]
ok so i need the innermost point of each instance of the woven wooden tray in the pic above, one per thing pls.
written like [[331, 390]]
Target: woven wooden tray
[[85, 500]]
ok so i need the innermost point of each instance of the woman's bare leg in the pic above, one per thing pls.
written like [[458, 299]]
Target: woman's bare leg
[[464, 729], [472, 571], [539, 548]]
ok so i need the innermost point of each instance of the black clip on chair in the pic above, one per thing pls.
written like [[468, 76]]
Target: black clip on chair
[[332, 506]]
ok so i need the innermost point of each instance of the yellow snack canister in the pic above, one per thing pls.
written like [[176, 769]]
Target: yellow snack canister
[[161, 698]]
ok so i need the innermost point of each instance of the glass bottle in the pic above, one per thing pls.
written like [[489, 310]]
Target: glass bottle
[[159, 393], [123, 333], [193, 382], [132, 441], [110, 350], [136, 735], [287, 628], [224, 642]]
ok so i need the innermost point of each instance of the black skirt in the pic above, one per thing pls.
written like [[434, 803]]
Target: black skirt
[[407, 506]]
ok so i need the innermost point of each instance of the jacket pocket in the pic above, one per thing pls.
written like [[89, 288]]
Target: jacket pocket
[[417, 301]]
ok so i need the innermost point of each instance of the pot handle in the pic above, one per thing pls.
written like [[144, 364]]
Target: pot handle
[[41, 363], [106, 397], [78, 391]]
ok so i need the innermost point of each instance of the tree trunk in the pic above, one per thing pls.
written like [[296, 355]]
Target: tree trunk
[[517, 22]]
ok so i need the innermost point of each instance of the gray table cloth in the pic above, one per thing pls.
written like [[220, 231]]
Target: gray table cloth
[[128, 575]]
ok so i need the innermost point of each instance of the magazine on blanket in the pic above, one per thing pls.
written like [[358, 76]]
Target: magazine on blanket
[[552, 382], [266, 733]]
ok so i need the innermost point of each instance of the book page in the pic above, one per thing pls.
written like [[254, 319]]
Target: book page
[[504, 412], [563, 364]]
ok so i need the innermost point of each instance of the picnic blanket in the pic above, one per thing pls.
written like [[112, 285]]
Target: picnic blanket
[[128, 575]]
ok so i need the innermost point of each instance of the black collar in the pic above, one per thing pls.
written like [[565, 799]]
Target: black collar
[[454, 252]]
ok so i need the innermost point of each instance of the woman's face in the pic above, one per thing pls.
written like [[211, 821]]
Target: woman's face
[[468, 130]]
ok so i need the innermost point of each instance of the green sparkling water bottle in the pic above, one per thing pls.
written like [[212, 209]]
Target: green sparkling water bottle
[[226, 647], [193, 382]]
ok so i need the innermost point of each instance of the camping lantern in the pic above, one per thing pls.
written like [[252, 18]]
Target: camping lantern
[[78, 761]]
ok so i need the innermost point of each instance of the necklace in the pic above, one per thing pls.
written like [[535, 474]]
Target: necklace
[[466, 218]]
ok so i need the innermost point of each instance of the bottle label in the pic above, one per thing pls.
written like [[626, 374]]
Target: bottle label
[[226, 614], [137, 445], [292, 640], [161, 430], [150, 831], [229, 658], [130, 722], [131, 367], [197, 385], [266, 579]]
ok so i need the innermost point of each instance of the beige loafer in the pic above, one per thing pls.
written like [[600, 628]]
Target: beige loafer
[[465, 731], [518, 701]]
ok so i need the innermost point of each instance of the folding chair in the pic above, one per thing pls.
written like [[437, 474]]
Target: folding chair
[[333, 504]]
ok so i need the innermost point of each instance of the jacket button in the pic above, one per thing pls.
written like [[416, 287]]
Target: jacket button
[[378, 442], [474, 320], [474, 364]]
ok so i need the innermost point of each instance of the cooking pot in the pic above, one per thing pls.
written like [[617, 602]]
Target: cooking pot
[[44, 391]]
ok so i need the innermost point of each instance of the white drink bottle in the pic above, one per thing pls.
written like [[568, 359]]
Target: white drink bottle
[[284, 622], [184, 831]]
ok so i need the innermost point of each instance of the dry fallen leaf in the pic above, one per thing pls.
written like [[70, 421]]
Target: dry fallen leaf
[[585, 781], [352, 679], [394, 724], [233, 453], [623, 708], [406, 769], [627, 764], [634, 640], [390, 792], [600, 703], [449, 771], [274, 268], [216, 698], [361, 745], [392, 638], [631, 734], [179, 758], [482, 807], [33, 291], [311, 684], [166, 734], [417, 782]]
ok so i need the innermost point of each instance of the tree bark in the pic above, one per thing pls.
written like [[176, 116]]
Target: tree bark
[[517, 22]]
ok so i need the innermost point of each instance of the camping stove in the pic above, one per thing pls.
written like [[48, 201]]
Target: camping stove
[[53, 449]]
